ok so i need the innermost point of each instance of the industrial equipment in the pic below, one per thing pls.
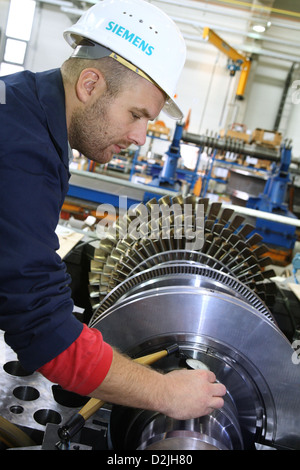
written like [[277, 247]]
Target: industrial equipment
[[236, 61], [167, 176], [178, 271], [273, 200], [296, 266], [213, 302]]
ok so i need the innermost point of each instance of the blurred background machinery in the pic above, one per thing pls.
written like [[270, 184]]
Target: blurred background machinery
[[269, 186]]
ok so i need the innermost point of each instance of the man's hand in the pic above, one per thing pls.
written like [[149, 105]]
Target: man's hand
[[195, 393], [180, 394]]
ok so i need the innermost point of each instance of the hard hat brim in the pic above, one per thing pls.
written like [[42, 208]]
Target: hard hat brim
[[97, 51], [172, 110]]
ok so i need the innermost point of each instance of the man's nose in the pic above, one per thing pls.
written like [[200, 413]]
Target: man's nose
[[138, 133]]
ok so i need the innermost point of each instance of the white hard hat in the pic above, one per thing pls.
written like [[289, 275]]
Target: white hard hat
[[138, 32]]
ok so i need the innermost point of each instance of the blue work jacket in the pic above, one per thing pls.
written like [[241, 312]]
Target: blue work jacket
[[35, 298]]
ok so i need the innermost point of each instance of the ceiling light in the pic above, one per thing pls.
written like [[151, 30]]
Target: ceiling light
[[259, 28]]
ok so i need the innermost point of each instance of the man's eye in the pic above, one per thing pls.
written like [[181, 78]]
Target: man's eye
[[135, 116]]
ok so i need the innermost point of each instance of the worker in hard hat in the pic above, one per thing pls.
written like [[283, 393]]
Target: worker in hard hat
[[127, 58]]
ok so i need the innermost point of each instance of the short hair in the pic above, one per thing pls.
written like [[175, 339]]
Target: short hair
[[115, 74]]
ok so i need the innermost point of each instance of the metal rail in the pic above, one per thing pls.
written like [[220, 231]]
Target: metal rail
[[235, 145]]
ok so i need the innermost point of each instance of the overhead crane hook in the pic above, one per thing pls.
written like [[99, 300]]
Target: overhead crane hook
[[237, 61]]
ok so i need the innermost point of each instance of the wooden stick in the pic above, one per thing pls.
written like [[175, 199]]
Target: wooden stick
[[94, 404]]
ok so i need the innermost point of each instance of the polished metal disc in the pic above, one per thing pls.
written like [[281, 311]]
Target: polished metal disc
[[196, 364], [213, 301]]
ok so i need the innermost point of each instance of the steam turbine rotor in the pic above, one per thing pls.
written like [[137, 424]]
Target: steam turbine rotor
[[210, 291]]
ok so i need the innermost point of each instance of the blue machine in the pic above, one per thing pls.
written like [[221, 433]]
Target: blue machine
[[167, 176], [296, 266], [273, 200]]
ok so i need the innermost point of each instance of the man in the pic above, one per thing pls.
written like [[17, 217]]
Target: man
[[121, 74]]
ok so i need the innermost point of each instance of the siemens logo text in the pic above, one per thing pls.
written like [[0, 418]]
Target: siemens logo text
[[130, 37]]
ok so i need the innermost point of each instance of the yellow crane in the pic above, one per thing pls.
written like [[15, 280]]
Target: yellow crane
[[237, 61]]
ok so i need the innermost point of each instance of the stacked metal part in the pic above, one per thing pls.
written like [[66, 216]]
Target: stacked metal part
[[134, 244], [195, 274]]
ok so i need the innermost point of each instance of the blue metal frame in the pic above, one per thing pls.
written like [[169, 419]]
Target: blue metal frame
[[272, 201], [296, 266], [98, 196]]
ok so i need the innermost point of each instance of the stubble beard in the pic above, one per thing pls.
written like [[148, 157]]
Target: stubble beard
[[88, 131]]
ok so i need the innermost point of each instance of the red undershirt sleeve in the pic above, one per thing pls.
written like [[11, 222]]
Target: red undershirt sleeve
[[82, 367]]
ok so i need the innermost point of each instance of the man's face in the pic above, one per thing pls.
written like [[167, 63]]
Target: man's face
[[107, 125]]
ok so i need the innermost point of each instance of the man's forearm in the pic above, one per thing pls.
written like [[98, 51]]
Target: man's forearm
[[180, 394], [131, 384]]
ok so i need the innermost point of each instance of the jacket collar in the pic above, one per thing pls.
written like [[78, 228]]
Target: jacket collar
[[51, 94]]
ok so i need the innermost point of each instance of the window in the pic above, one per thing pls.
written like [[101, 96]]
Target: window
[[20, 19], [15, 51], [18, 32]]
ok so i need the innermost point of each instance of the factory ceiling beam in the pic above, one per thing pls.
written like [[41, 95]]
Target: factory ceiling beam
[[239, 32], [68, 8], [223, 11]]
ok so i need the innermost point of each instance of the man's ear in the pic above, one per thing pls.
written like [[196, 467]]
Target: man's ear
[[89, 83]]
